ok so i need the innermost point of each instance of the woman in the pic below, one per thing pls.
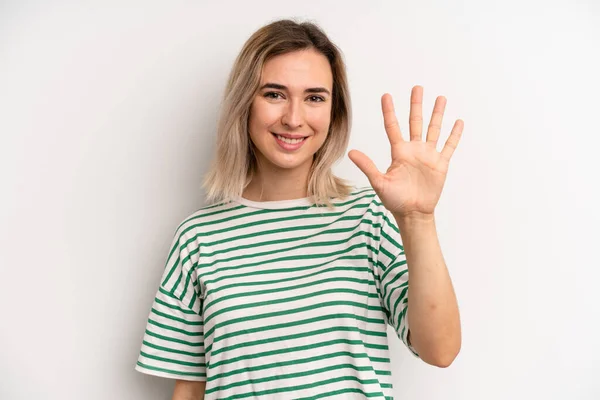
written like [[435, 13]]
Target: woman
[[284, 286]]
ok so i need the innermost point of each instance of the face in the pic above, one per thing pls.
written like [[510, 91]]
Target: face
[[291, 112]]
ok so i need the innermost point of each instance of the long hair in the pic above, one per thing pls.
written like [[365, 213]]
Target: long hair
[[235, 162]]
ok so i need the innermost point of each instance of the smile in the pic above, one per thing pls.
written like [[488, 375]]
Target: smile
[[288, 140], [289, 144]]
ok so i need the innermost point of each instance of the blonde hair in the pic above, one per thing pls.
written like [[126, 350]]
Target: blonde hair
[[234, 164]]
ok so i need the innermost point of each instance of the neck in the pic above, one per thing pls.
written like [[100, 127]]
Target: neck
[[275, 184]]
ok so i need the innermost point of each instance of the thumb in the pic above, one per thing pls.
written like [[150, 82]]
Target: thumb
[[365, 164]]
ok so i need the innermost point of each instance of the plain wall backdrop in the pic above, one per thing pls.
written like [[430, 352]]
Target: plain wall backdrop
[[107, 120]]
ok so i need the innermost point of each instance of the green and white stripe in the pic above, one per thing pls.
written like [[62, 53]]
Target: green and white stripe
[[281, 299]]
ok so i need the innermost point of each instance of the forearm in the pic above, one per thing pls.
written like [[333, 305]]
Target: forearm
[[188, 390], [433, 315]]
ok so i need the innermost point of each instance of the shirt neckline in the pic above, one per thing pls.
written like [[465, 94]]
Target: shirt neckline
[[274, 204]]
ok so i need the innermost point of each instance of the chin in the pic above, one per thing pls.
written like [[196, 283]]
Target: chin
[[288, 164]]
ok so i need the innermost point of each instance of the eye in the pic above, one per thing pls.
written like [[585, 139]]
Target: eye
[[271, 95], [316, 99]]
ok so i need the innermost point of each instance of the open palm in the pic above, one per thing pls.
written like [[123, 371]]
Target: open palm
[[414, 181]]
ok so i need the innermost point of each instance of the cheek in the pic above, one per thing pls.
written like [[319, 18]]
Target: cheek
[[320, 120], [257, 123], [262, 116]]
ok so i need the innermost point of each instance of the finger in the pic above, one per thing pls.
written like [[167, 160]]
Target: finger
[[453, 140], [365, 164], [435, 125], [416, 113], [390, 122]]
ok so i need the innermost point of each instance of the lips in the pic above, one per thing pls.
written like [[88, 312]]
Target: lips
[[290, 146], [295, 138], [290, 136]]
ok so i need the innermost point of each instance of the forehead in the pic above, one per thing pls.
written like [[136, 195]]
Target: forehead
[[298, 70]]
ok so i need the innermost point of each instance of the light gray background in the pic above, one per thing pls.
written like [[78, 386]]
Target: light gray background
[[108, 112]]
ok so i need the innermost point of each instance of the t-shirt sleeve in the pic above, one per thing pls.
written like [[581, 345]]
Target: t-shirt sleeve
[[173, 344], [392, 274]]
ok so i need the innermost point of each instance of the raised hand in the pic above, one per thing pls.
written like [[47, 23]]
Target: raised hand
[[413, 183]]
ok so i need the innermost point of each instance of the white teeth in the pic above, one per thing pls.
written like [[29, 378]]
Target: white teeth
[[290, 141]]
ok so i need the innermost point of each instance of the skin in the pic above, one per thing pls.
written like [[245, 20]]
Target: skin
[[188, 390], [283, 174]]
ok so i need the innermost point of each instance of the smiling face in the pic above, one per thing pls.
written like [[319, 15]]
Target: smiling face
[[294, 102]]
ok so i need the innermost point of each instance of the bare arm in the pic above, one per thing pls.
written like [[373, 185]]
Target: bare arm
[[433, 315], [188, 390]]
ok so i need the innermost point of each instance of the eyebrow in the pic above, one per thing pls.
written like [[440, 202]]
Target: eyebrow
[[283, 87]]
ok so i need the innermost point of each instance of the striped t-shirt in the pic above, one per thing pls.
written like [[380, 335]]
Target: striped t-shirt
[[281, 300]]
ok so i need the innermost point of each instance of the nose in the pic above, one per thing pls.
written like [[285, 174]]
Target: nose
[[293, 115]]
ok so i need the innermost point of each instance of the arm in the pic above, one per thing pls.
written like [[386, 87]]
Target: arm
[[433, 315], [188, 390]]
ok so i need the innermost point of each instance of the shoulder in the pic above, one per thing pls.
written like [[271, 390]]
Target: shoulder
[[363, 194], [368, 196], [202, 219]]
